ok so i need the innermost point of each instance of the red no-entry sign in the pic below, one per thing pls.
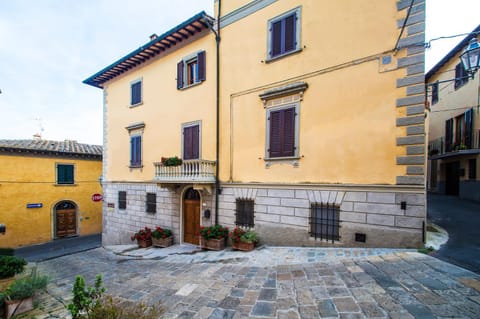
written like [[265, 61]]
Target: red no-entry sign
[[97, 197]]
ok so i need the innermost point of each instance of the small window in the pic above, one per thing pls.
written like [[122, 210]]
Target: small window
[[65, 174], [191, 70], [136, 151], [284, 34], [122, 200], [324, 222], [244, 214], [136, 92], [151, 203], [461, 76], [282, 132], [435, 93], [472, 168]]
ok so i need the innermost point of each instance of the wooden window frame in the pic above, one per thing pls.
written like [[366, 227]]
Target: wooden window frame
[[297, 12], [296, 107], [133, 85], [57, 180], [184, 72]]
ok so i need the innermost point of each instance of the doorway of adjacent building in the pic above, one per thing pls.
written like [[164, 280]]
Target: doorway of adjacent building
[[452, 178], [65, 219], [191, 216]]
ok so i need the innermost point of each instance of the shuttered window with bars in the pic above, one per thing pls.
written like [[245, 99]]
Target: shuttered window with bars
[[151, 203], [122, 200], [325, 221], [284, 34], [244, 213]]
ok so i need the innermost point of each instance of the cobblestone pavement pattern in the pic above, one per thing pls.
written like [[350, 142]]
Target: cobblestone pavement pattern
[[272, 282]]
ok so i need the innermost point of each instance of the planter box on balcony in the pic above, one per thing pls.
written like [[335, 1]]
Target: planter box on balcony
[[212, 244], [162, 242]]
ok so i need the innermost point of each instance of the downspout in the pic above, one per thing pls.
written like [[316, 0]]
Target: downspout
[[217, 146]]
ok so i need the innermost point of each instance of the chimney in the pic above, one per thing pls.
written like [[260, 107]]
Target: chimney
[[153, 37]]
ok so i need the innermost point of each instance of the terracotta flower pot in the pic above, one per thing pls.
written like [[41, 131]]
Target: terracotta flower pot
[[243, 246], [162, 242], [16, 307], [212, 244], [144, 243]]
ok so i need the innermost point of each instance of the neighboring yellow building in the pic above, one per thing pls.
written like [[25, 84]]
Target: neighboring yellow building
[[454, 131], [303, 119], [46, 190]]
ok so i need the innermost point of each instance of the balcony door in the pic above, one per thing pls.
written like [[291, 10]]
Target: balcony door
[[191, 142], [191, 216]]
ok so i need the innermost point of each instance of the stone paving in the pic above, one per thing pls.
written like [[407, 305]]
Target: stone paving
[[271, 282]]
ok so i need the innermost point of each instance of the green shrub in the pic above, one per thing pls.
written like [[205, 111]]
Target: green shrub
[[26, 287], [10, 266], [7, 251], [111, 307], [85, 298]]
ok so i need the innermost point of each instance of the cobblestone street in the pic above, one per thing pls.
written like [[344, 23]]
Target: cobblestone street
[[273, 282]]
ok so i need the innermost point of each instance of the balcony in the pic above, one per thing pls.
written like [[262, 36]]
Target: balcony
[[190, 171], [439, 148]]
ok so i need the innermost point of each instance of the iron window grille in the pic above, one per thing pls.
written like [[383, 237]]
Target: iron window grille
[[122, 200], [244, 213], [151, 203], [325, 221]]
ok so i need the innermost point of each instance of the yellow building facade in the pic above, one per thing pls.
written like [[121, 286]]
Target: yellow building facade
[[454, 131], [301, 119], [46, 190]]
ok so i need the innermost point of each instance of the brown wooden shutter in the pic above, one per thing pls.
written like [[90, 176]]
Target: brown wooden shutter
[[468, 128], [202, 72], [180, 67], [191, 143], [290, 41], [276, 36], [448, 135], [275, 149]]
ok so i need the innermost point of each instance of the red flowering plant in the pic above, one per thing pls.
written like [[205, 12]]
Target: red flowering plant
[[142, 234], [245, 236], [236, 234], [160, 232], [214, 232]]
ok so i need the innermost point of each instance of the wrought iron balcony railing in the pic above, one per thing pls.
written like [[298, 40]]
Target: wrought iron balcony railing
[[440, 146], [197, 171]]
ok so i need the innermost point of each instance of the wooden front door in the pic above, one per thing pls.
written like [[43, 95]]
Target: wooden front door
[[66, 219], [191, 216]]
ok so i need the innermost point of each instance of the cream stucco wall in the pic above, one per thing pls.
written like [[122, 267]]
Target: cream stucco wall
[[32, 179], [163, 111], [347, 116]]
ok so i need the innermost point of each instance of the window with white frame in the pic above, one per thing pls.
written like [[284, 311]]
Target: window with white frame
[[284, 34]]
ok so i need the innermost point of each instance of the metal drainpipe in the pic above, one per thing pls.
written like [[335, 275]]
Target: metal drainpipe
[[217, 146]]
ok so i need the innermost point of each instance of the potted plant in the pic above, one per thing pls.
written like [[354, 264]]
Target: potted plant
[[143, 237], [213, 237], [244, 240], [171, 161], [162, 237], [19, 295], [9, 267]]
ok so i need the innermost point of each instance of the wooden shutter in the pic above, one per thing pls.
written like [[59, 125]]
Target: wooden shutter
[[275, 149], [136, 94], [65, 174], [180, 66], [468, 128], [435, 93], [135, 151], [276, 38], [448, 135], [191, 142], [290, 33], [202, 72]]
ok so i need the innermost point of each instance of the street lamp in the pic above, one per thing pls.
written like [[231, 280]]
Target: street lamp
[[470, 57]]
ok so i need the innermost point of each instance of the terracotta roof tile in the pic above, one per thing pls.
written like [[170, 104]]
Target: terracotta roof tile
[[66, 147]]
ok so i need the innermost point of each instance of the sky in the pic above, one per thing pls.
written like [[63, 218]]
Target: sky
[[48, 47]]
